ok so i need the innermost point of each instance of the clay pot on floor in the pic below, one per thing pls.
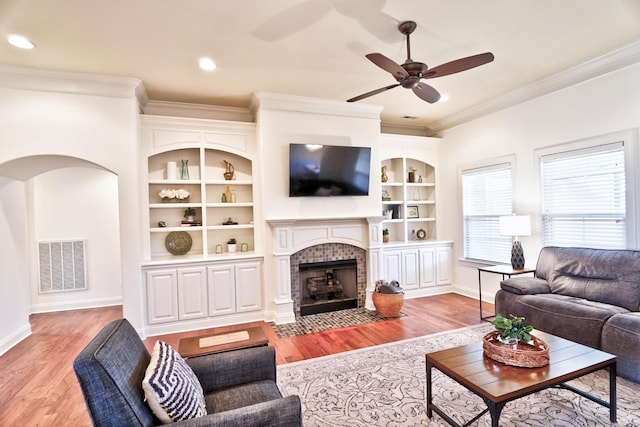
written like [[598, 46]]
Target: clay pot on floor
[[388, 305]]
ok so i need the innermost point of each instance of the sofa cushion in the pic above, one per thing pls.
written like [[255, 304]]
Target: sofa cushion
[[172, 390], [244, 395], [576, 319], [607, 276], [525, 286], [623, 294], [621, 336]]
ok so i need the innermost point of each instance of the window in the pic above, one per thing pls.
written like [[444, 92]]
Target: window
[[486, 196], [583, 197]]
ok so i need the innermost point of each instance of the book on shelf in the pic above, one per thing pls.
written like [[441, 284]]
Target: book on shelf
[[194, 223]]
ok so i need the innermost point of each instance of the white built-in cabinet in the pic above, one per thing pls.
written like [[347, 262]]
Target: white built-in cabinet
[[209, 285], [413, 255], [423, 267], [199, 292]]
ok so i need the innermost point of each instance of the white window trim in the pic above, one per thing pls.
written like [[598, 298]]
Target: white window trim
[[631, 158], [510, 160]]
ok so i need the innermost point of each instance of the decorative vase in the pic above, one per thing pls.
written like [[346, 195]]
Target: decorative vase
[[228, 174], [184, 169], [388, 305], [384, 177], [228, 197], [172, 171]]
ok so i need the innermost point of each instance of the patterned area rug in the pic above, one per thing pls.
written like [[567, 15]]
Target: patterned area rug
[[385, 386], [323, 321]]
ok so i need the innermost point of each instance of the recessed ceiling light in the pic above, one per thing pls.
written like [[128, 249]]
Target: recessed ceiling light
[[444, 98], [207, 64], [20, 42]]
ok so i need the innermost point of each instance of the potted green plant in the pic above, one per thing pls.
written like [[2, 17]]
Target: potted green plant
[[511, 330], [385, 235], [189, 214], [388, 298], [231, 245]]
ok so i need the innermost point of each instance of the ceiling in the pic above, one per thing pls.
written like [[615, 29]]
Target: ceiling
[[317, 48]]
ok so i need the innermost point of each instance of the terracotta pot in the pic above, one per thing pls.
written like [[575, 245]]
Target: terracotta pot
[[388, 305]]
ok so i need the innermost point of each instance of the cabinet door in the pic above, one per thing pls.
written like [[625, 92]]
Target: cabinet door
[[162, 296], [192, 293], [393, 266], [427, 267], [248, 286], [222, 291], [443, 257], [410, 269]]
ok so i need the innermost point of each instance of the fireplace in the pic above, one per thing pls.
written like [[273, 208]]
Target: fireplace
[[302, 241], [328, 277], [328, 286]]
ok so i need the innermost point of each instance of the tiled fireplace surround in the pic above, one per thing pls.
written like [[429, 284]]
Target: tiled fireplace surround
[[336, 236]]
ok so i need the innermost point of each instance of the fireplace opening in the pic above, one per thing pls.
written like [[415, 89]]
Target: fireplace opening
[[328, 286]]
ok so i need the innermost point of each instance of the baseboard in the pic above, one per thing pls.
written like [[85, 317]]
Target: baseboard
[[75, 305], [13, 339]]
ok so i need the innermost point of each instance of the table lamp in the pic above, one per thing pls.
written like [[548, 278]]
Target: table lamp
[[515, 226]]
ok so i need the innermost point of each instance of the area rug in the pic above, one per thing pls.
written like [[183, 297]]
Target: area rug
[[385, 386], [324, 321]]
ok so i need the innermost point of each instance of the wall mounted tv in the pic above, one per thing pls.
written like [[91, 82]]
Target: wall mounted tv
[[328, 170]]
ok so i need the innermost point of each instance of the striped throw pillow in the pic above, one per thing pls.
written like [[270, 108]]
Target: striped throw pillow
[[172, 390]]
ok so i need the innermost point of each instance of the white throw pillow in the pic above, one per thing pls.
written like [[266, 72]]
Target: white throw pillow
[[172, 390]]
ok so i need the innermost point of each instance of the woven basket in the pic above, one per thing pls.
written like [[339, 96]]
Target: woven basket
[[532, 355], [388, 305]]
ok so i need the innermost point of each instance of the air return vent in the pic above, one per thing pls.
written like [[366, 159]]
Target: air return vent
[[62, 266]]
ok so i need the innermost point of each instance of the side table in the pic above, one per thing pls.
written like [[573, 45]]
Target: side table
[[506, 271], [218, 343]]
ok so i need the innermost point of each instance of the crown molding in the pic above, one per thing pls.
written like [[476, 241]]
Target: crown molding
[[71, 82], [261, 101], [199, 111], [612, 61]]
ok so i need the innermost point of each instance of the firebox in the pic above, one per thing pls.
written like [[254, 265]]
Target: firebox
[[328, 286]]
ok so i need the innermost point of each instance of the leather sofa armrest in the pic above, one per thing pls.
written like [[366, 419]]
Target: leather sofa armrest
[[525, 286], [231, 368], [285, 412]]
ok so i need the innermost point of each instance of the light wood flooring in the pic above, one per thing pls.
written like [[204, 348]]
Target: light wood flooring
[[39, 388]]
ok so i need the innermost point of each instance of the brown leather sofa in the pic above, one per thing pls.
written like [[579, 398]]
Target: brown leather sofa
[[590, 296]]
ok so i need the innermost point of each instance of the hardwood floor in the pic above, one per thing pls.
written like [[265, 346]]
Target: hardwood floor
[[39, 387]]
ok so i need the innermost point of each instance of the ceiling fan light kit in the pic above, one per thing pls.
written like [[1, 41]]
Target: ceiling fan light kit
[[410, 73]]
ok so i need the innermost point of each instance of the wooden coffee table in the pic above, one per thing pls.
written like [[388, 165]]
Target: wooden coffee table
[[497, 383], [218, 343]]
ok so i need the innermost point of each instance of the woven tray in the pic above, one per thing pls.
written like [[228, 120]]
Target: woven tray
[[533, 355]]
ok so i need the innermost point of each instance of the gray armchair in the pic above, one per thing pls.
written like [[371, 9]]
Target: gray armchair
[[239, 386]]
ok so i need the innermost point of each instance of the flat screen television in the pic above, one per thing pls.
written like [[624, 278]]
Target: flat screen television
[[328, 170]]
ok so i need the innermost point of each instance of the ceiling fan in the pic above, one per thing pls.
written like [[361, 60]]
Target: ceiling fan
[[410, 73]]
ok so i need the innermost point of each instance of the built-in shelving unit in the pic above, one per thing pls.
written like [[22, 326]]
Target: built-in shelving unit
[[408, 206], [209, 285]]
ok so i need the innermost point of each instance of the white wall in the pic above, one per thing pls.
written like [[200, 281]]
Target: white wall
[[282, 120], [603, 105], [14, 280], [78, 203], [48, 116]]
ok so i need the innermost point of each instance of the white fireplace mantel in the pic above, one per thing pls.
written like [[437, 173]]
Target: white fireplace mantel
[[293, 235]]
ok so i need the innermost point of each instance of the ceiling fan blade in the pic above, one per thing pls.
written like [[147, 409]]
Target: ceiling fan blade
[[458, 65], [426, 93], [373, 92], [387, 64]]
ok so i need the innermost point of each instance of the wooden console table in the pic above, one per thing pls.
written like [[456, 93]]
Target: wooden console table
[[218, 343]]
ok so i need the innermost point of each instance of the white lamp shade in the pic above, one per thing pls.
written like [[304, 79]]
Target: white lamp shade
[[515, 225]]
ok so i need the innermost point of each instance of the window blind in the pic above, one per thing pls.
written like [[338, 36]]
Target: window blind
[[583, 198], [486, 196]]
